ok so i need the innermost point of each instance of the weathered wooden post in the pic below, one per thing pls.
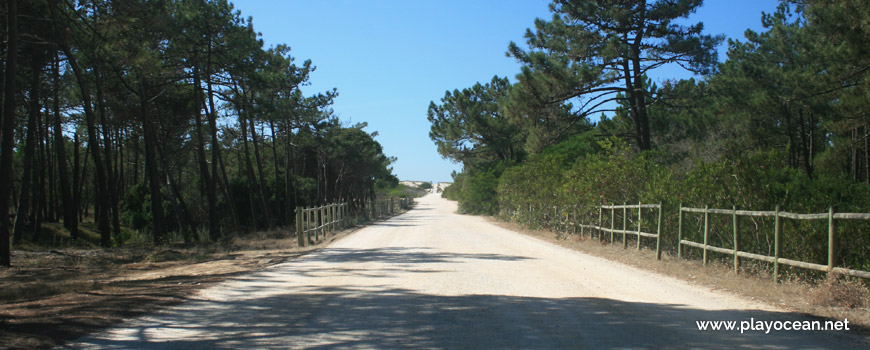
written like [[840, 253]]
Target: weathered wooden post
[[300, 228], [624, 224], [736, 245], [612, 222], [318, 219], [330, 211], [639, 204], [322, 215], [832, 241], [600, 233], [310, 220], [659, 235], [680, 231], [706, 230], [776, 245]]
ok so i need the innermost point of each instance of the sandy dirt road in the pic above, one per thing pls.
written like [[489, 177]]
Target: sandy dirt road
[[433, 279]]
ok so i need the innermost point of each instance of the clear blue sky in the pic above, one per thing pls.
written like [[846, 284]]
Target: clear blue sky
[[390, 58]]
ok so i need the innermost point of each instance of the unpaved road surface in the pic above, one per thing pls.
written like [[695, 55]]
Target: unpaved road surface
[[437, 280]]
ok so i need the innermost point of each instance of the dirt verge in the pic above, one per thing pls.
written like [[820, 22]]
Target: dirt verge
[[51, 297], [815, 299]]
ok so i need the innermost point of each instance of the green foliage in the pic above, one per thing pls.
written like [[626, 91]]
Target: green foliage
[[783, 122], [469, 126], [136, 207], [592, 53]]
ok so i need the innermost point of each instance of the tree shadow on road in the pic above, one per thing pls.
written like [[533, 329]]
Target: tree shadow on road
[[339, 318], [356, 316], [412, 255]]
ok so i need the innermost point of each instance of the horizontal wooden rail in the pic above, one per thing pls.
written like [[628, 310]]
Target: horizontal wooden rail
[[628, 232], [632, 206]]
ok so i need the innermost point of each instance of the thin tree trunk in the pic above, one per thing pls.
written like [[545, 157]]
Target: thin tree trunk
[[153, 170], [99, 168], [185, 223], [267, 209], [251, 199], [122, 176], [281, 208], [804, 143], [7, 133], [246, 168], [77, 182], [216, 148], [70, 212], [22, 213], [867, 153], [40, 206], [289, 170], [135, 178], [205, 179], [106, 129], [47, 182]]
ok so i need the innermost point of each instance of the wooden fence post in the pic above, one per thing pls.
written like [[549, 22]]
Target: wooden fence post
[[612, 222], [832, 241], [310, 220], [318, 222], [300, 228], [332, 217], [659, 235], [600, 233], [736, 245], [776, 245], [638, 224], [680, 231], [624, 225], [706, 230]]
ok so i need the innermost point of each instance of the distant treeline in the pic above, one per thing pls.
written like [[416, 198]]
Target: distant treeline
[[783, 121], [164, 116]]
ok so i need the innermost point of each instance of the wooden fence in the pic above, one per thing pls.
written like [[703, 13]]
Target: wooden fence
[[319, 221], [776, 259], [388, 206], [314, 223], [625, 231]]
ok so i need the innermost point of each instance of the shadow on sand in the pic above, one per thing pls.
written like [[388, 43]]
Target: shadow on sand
[[316, 317]]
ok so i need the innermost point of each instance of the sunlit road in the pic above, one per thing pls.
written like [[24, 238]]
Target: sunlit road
[[437, 280]]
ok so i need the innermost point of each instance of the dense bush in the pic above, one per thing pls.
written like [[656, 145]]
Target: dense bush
[[565, 185]]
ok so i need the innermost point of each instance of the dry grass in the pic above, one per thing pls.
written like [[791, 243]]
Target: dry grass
[[834, 297], [839, 292], [51, 296]]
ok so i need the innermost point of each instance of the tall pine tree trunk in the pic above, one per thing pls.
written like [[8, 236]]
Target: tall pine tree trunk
[[70, 216], [101, 200], [7, 130], [264, 199], [101, 190], [23, 212], [111, 183], [245, 167], [216, 158], [153, 170], [205, 180]]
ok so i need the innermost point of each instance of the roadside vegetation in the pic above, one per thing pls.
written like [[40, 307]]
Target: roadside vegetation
[[783, 121], [139, 122]]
